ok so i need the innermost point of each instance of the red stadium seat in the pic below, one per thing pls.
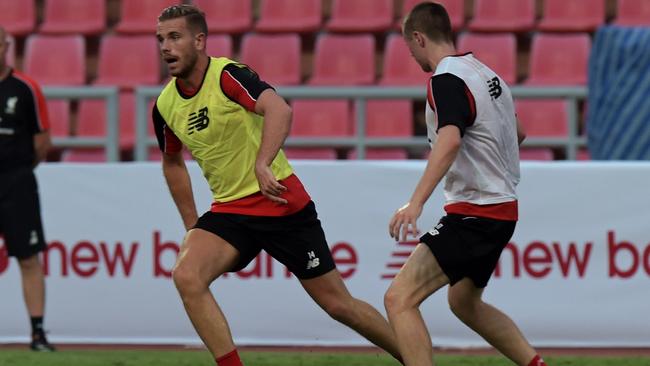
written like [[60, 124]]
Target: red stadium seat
[[455, 9], [219, 45], [633, 13], [360, 16], [11, 51], [572, 15], [583, 155], [543, 117], [497, 51], [92, 119], [141, 16], [539, 154], [321, 118], [381, 154], [318, 118], [388, 118], [289, 16], [559, 59], [295, 153], [58, 111], [276, 58], [399, 67], [18, 17], [503, 16], [84, 155], [227, 16], [344, 60], [56, 60], [128, 61], [87, 17]]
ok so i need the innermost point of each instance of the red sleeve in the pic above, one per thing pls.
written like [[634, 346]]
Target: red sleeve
[[168, 142], [41, 120], [172, 143], [242, 85]]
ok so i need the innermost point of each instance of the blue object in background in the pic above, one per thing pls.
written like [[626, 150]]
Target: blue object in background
[[618, 116]]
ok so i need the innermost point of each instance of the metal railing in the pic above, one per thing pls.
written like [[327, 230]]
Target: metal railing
[[110, 142], [360, 96]]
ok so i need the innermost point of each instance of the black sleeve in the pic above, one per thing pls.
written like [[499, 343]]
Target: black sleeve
[[242, 85], [453, 101]]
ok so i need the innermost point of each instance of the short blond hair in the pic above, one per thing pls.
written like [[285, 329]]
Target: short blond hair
[[431, 19]]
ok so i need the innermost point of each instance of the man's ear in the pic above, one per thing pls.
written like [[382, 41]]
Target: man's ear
[[199, 41], [419, 37]]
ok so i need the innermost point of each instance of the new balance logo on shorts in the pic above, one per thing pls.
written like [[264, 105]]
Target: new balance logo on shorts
[[435, 229], [313, 261], [198, 120], [33, 238]]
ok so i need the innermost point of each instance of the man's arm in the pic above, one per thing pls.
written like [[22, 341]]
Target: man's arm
[[42, 144], [456, 111], [38, 120], [180, 187], [243, 86], [440, 159], [277, 123], [174, 169]]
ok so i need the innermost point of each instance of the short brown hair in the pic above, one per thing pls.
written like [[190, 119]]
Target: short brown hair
[[194, 17], [431, 19]]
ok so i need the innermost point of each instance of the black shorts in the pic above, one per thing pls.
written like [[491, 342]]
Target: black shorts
[[20, 214], [296, 240], [468, 246]]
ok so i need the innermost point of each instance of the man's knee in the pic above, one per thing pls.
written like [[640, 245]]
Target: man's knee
[[187, 280], [340, 309], [464, 307], [30, 263], [396, 301]]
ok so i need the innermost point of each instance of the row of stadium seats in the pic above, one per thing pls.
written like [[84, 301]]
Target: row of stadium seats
[[528, 154], [89, 17], [128, 61], [117, 55], [115, 68], [311, 118]]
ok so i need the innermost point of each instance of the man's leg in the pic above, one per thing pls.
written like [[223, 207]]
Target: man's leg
[[33, 281], [418, 279], [204, 257], [489, 322], [330, 293]]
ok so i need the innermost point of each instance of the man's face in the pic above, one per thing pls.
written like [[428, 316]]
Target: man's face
[[416, 46], [177, 46]]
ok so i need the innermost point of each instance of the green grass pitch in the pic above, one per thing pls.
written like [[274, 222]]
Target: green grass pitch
[[15, 357]]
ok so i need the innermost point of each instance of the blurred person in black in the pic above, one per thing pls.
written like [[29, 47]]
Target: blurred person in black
[[24, 141]]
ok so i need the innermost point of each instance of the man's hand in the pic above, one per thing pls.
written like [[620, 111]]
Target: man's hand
[[269, 186], [404, 221]]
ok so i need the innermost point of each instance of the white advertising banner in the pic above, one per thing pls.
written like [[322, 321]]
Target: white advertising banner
[[576, 273]]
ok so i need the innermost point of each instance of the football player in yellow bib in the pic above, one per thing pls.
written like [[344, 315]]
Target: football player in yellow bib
[[234, 124]]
